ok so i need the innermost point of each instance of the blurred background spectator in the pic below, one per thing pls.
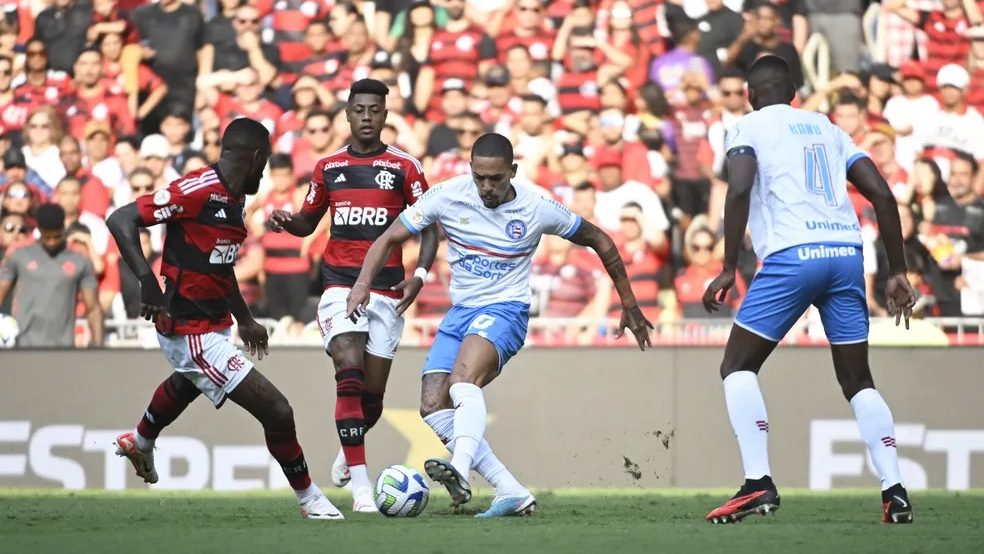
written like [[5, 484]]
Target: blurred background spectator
[[618, 109]]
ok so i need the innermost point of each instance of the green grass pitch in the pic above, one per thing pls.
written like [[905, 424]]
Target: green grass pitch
[[608, 521]]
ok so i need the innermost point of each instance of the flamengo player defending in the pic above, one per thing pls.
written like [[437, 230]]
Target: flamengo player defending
[[365, 185], [492, 229], [786, 172], [203, 212]]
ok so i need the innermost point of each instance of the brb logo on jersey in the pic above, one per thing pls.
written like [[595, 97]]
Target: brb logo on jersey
[[356, 215], [516, 229], [385, 180], [224, 254]]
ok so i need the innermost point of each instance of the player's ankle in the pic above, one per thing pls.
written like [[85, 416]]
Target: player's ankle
[[760, 484]]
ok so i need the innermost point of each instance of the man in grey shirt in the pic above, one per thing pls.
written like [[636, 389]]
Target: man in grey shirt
[[839, 21], [48, 278]]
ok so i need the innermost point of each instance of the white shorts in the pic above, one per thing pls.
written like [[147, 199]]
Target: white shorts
[[209, 360], [381, 322]]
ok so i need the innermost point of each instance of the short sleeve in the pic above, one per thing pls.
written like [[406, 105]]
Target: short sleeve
[[415, 184], [555, 219], [426, 210], [87, 279], [316, 201], [182, 199], [850, 151], [739, 137]]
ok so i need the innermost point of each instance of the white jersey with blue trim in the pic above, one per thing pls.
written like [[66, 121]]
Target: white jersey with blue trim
[[800, 191], [489, 250]]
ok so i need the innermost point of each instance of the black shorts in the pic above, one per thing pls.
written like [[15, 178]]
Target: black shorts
[[286, 295], [691, 196]]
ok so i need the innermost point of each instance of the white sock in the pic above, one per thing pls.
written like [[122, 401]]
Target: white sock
[[143, 443], [360, 477], [492, 470], [485, 464], [878, 432], [308, 493], [746, 409], [469, 424]]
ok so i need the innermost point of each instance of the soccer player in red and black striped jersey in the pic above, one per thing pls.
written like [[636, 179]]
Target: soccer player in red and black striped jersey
[[364, 186], [203, 212]]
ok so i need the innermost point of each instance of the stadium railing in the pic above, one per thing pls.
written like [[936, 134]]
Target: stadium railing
[[573, 332]]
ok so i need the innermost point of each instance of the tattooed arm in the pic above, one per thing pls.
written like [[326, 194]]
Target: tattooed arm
[[591, 236]]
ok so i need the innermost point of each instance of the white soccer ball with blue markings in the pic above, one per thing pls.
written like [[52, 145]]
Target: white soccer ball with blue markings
[[401, 491], [8, 331]]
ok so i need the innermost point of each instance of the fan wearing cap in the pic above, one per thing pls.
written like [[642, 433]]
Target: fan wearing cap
[[501, 112], [946, 42], [15, 170], [468, 127], [910, 111], [957, 126], [460, 50], [155, 157]]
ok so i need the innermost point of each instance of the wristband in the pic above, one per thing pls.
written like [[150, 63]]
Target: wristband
[[420, 273]]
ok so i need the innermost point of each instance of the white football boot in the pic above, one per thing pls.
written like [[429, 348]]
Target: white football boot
[[363, 501], [143, 462], [340, 475], [319, 507]]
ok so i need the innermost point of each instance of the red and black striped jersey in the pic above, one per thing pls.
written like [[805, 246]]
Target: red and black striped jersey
[[205, 231], [538, 45], [289, 19], [946, 42], [364, 194], [283, 251], [578, 91], [456, 55]]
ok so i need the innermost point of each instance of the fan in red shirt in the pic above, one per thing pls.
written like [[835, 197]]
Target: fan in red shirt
[[318, 48], [363, 188], [946, 32], [460, 50], [692, 281], [203, 212], [39, 85], [246, 101], [314, 143], [643, 262], [526, 24], [93, 99], [290, 21], [458, 161], [144, 91], [14, 109], [350, 65]]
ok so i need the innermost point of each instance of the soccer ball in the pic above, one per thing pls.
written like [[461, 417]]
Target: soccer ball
[[401, 492], [8, 331]]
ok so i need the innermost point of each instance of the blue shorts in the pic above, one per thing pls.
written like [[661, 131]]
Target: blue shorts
[[829, 276], [503, 324]]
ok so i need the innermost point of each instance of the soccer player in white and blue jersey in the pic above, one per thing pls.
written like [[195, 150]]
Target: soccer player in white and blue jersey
[[786, 180], [492, 227]]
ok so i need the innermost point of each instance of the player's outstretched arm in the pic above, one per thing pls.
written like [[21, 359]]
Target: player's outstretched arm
[[899, 296], [589, 235], [124, 225], [429, 241], [742, 167], [252, 333], [376, 257]]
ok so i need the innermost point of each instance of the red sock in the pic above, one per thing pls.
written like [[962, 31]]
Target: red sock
[[287, 451], [349, 419], [372, 408], [165, 406]]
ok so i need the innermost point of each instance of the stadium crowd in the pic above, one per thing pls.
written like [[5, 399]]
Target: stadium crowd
[[618, 108]]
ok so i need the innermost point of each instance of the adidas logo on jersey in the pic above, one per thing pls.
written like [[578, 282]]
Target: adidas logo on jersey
[[220, 214], [340, 178]]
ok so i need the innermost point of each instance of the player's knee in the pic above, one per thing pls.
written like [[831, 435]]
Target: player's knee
[[430, 405], [183, 388], [279, 415], [728, 367], [852, 386]]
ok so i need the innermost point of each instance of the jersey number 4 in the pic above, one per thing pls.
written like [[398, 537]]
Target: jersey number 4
[[818, 173]]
